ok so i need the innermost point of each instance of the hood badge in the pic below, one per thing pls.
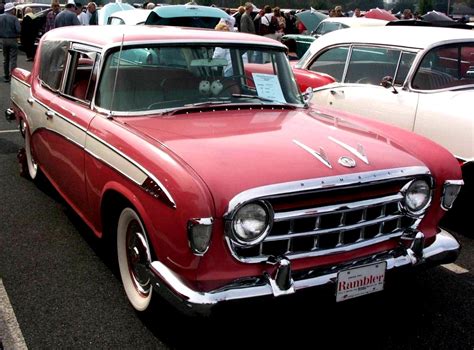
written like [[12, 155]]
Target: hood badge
[[347, 162]]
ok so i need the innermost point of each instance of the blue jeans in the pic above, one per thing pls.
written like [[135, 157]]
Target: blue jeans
[[10, 52]]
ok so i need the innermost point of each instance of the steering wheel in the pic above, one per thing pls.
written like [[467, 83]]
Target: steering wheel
[[363, 80]]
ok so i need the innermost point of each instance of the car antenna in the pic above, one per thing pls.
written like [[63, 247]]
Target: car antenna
[[110, 116]]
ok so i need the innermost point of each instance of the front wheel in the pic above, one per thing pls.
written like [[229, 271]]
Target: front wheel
[[31, 165], [134, 256]]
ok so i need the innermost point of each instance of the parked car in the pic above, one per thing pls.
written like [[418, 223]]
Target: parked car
[[109, 9], [20, 9], [187, 16], [424, 83], [215, 182], [328, 25]]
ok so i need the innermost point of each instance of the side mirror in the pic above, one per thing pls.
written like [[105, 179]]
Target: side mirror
[[387, 82], [308, 94]]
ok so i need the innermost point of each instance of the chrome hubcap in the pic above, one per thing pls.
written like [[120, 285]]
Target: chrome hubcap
[[138, 257]]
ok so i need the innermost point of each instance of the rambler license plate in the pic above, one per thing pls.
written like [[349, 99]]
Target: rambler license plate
[[359, 281]]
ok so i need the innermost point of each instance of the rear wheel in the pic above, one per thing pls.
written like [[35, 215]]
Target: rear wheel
[[134, 257]]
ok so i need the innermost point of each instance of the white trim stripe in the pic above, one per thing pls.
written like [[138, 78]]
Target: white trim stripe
[[8, 131], [10, 332]]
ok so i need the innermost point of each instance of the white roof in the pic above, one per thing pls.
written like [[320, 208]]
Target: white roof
[[409, 36], [132, 16], [356, 21]]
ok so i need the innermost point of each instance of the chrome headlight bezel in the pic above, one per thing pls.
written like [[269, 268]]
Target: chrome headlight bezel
[[407, 191], [258, 238], [451, 189]]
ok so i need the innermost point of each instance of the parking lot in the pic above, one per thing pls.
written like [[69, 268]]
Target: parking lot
[[59, 290]]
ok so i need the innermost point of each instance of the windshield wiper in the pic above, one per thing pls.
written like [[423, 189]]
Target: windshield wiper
[[206, 103]]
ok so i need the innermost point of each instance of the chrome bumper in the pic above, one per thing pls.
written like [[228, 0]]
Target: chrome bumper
[[444, 249]]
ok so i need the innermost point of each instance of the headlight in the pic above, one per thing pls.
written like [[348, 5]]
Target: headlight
[[251, 223], [417, 197], [450, 192]]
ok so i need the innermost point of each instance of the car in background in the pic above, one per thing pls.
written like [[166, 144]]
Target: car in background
[[328, 25], [213, 182], [187, 16], [129, 17], [109, 9], [20, 9], [424, 83]]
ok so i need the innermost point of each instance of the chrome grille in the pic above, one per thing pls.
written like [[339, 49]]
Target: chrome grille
[[331, 228]]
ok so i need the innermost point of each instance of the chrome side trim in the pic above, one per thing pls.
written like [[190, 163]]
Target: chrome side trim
[[359, 152], [319, 183], [135, 164], [444, 249], [321, 155], [21, 81]]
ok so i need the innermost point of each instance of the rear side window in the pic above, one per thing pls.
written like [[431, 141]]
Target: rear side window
[[52, 62], [445, 67], [331, 62]]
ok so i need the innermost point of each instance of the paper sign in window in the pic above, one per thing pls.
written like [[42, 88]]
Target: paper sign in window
[[268, 86]]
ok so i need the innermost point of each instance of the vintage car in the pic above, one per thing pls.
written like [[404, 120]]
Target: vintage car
[[424, 84], [217, 183], [189, 15], [129, 17], [328, 25]]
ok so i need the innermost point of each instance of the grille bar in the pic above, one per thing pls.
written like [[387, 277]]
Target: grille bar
[[360, 225], [283, 216]]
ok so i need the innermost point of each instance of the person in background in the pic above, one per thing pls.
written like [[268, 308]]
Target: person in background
[[246, 22], [238, 16], [68, 17], [281, 21], [92, 13], [150, 6], [28, 34], [256, 21], [332, 13], [9, 31], [300, 27], [81, 16], [291, 45], [407, 14], [338, 11], [357, 12], [2, 7], [51, 16]]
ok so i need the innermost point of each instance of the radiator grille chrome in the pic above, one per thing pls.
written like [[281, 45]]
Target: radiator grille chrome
[[332, 223]]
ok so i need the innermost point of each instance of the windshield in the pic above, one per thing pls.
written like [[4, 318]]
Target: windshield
[[165, 77]]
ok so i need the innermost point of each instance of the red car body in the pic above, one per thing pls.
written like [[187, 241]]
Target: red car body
[[201, 164]]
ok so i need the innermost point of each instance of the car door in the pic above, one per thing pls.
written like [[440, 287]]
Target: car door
[[445, 79], [359, 74], [67, 120]]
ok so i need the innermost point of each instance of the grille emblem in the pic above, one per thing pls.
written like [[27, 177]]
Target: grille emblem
[[347, 162]]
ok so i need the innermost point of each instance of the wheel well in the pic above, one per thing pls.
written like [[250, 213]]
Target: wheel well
[[112, 205]]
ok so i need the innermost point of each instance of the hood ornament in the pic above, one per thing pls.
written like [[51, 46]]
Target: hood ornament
[[321, 155], [347, 162]]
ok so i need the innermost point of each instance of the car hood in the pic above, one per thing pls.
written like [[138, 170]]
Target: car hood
[[233, 151]]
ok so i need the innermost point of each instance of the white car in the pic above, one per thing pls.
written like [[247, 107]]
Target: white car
[[129, 17], [331, 24], [417, 78]]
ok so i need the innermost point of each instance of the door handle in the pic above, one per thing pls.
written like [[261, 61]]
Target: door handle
[[49, 114], [30, 100], [334, 92]]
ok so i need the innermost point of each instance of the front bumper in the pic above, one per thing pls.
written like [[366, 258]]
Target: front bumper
[[444, 249]]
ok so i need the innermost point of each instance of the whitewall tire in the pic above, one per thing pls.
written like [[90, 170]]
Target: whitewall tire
[[134, 255], [31, 164]]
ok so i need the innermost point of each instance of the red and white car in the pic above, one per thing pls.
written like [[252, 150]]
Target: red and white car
[[216, 182]]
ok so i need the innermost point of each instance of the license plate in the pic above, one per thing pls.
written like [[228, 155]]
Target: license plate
[[353, 283]]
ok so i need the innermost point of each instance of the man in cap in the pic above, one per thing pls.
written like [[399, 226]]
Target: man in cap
[[68, 17], [9, 31]]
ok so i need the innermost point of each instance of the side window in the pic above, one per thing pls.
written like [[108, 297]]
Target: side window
[[445, 67], [331, 62], [403, 68], [82, 75], [53, 58], [369, 65], [115, 21]]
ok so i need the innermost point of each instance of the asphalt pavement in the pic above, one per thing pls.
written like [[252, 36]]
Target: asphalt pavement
[[59, 290]]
